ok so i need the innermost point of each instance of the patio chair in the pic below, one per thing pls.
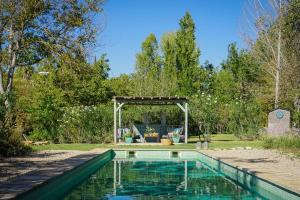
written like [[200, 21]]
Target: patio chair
[[178, 131], [140, 138]]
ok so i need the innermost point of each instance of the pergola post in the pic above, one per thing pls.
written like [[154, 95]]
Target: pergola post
[[186, 121], [115, 122], [120, 116]]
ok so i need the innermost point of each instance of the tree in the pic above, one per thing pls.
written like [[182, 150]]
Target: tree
[[121, 85], [148, 68], [187, 55], [31, 30], [291, 31], [169, 80], [265, 20], [245, 71]]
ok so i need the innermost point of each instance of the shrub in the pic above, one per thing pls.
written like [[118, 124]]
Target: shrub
[[13, 148], [87, 124], [245, 120], [10, 135]]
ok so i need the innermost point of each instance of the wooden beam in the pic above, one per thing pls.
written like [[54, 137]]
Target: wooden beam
[[181, 107], [120, 115]]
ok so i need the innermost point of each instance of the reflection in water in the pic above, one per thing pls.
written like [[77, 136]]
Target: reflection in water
[[121, 179]]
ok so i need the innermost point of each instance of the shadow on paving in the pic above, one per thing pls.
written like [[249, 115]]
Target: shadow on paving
[[12, 187]]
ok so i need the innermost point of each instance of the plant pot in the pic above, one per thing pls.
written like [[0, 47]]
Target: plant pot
[[176, 139], [128, 140], [166, 141]]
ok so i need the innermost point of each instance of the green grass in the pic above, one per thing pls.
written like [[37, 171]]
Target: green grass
[[219, 141], [289, 144]]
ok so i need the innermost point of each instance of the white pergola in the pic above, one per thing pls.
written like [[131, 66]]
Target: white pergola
[[119, 101]]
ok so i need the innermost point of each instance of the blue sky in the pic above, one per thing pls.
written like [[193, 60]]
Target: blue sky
[[127, 23]]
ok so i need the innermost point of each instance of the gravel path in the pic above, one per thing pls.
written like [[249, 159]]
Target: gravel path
[[268, 164]]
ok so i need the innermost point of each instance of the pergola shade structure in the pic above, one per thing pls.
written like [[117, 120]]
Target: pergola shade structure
[[119, 101]]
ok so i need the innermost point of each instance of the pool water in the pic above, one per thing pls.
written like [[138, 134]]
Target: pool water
[[127, 179]]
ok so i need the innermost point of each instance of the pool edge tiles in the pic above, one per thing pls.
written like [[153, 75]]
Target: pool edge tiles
[[157, 154], [58, 186]]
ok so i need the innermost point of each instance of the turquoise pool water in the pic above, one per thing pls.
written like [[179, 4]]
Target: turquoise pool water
[[125, 179]]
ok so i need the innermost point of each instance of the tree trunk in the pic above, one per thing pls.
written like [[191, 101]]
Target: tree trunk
[[278, 67], [1, 81], [12, 49], [277, 87]]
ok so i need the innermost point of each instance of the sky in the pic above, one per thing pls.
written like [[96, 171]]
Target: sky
[[126, 24]]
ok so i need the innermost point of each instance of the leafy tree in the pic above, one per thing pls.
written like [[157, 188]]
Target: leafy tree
[[121, 85], [148, 67], [169, 80], [187, 55], [32, 30], [291, 47], [245, 71]]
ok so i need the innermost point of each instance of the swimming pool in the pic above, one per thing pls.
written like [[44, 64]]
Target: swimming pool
[[148, 174]]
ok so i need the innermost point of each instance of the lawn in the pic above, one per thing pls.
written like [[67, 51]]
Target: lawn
[[218, 141]]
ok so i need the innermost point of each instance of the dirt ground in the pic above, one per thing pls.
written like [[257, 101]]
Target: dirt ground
[[267, 164]]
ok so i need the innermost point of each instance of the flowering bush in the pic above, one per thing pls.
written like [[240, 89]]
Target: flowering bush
[[90, 124], [237, 116]]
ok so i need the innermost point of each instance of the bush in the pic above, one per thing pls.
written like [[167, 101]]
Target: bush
[[46, 111], [86, 124], [13, 148], [245, 120], [10, 134]]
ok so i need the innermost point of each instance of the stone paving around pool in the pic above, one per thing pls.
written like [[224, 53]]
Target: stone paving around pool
[[268, 164], [21, 174]]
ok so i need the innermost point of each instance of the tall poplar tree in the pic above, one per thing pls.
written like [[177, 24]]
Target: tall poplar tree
[[148, 67], [169, 85], [187, 55]]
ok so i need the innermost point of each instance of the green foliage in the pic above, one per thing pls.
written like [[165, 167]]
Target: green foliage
[[282, 142], [121, 85], [32, 32], [169, 79], [148, 67], [10, 138], [204, 109], [86, 124], [46, 108], [187, 55], [245, 119]]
